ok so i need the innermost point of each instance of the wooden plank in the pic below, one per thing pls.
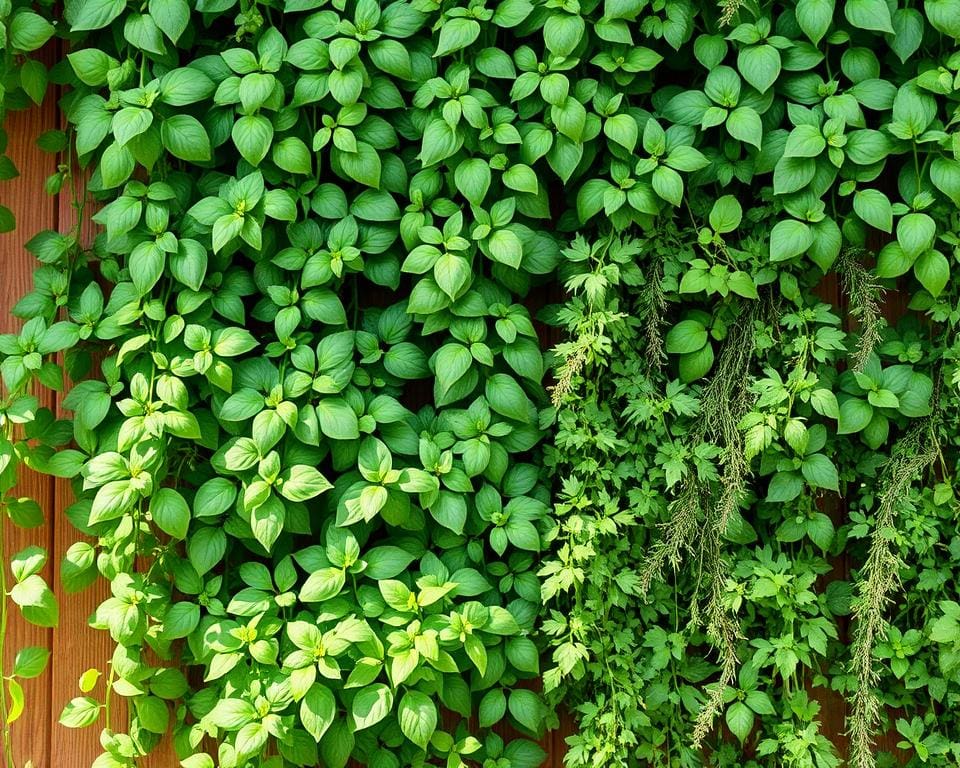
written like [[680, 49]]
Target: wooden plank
[[34, 211], [77, 647]]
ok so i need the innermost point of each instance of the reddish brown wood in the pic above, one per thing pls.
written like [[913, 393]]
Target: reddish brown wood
[[34, 211]]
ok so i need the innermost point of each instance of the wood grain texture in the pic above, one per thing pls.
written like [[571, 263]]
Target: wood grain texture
[[34, 211]]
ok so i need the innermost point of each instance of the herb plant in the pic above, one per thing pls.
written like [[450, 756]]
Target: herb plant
[[304, 394]]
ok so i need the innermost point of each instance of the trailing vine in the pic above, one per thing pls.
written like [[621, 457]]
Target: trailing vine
[[783, 164]]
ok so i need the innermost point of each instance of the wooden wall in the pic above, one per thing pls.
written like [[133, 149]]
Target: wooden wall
[[75, 647]]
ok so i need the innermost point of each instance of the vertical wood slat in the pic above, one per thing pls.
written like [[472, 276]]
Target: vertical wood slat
[[34, 212]]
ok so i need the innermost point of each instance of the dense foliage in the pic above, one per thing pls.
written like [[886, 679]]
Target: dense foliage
[[726, 440], [303, 395], [307, 395]]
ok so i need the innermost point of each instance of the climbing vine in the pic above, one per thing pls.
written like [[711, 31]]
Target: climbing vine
[[304, 392]]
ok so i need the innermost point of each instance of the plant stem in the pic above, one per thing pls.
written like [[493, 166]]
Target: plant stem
[[4, 613]]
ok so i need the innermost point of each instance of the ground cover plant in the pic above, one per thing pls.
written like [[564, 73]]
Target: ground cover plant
[[342, 510]]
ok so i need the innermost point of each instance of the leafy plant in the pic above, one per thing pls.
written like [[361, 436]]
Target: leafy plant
[[308, 218], [723, 432], [306, 388]]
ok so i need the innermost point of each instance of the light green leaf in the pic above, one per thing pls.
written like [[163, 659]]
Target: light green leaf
[[418, 717]]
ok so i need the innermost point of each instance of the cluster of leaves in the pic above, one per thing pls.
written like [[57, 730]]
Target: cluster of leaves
[[755, 493], [305, 393]]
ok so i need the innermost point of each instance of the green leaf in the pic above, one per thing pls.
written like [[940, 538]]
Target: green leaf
[[820, 472], [944, 16], [726, 214], [450, 511], [94, 14], [37, 602], [815, 17], [452, 274], [739, 719], [525, 707], [29, 31], [873, 207], [371, 705], [180, 620], [789, 238], [170, 512], [386, 562], [668, 185], [80, 712], [759, 65], [30, 662], [322, 585], [116, 165], [855, 414], [337, 419], [451, 363], [418, 717], [824, 402], [744, 124], [507, 397], [302, 482], [945, 175], [933, 271], [686, 336], [493, 706], [16, 700], [251, 739], [805, 141], [916, 233], [827, 242], [172, 16], [146, 266], [292, 155], [252, 135], [318, 710], [130, 122], [521, 178], [892, 261], [868, 14], [623, 130], [505, 247], [185, 137], [206, 547], [472, 178], [440, 141], [455, 34], [363, 166], [784, 486]]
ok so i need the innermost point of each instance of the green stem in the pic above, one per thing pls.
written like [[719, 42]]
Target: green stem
[[4, 615], [106, 701]]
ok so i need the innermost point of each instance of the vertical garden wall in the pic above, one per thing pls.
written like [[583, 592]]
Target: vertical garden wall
[[424, 373]]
